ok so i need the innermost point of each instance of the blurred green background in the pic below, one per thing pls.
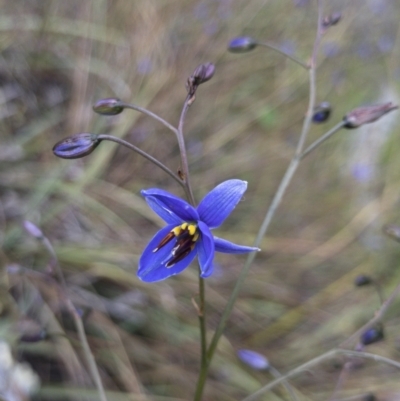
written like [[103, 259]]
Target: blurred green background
[[58, 58]]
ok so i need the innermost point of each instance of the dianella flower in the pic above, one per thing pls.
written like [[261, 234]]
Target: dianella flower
[[188, 231]]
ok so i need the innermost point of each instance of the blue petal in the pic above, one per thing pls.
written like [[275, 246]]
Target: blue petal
[[152, 264], [224, 246], [169, 207], [205, 248], [218, 204]]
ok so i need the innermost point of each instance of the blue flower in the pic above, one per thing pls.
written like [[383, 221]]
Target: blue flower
[[187, 233]]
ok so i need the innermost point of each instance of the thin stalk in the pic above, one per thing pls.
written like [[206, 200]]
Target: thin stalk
[[323, 138], [182, 150], [203, 338], [276, 374], [150, 114], [142, 153], [77, 321], [277, 49], [313, 362], [278, 195]]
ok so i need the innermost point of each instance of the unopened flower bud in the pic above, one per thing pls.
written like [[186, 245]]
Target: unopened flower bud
[[202, 73], [392, 231], [108, 107], [33, 230], [362, 280], [367, 114], [372, 335], [253, 359], [242, 44], [330, 20], [76, 146], [321, 113]]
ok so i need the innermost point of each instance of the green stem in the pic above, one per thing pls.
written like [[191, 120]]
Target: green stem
[[142, 153], [308, 365], [277, 198], [203, 331]]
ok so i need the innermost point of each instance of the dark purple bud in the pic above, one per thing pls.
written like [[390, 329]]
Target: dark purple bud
[[109, 106], [362, 280], [242, 44], [253, 359], [372, 335], [330, 20], [369, 397], [321, 113], [76, 146], [367, 114], [202, 73], [392, 231]]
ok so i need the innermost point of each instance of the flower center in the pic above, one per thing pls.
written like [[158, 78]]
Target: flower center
[[185, 236]]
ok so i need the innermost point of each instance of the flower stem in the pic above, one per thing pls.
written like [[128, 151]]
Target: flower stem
[[144, 154], [150, 114], [203, 331], [277, 49], [323, 138], [182, 151], [277, 197]]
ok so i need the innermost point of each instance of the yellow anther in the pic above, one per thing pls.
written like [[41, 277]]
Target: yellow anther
[[184, 226], [176, 231], [192, 229], [195, 237]]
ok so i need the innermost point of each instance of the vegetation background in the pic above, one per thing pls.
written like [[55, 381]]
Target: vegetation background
[[59, 57]]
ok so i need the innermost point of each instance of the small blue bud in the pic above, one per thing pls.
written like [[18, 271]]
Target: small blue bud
[[321, 113], [372, 335], [362, 280], [242, 44], [253, 359], [76, 146]]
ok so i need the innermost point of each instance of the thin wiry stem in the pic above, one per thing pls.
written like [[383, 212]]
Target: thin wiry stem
[[323, 138], [277, 197], [150, 114], [77, 320], [276, 374], [182, 150], [277, 49], [316, 361], [142, 153]]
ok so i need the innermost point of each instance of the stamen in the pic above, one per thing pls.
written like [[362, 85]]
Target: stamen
[[165, 240], [179, 257], [186, 236]]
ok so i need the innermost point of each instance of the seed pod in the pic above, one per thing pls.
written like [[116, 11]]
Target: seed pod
[[76, 146], [362, 280], [372, 335], [242, 44], [367, 114], [321, 113], [108, 106]]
